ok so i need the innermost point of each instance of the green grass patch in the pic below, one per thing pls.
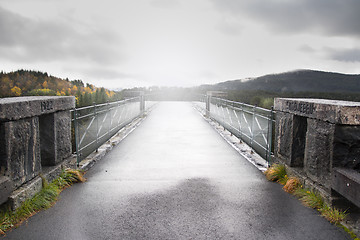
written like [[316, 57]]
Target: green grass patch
[[310, 198], [332, 214], [313, 199], [41, 200], [351, 233]]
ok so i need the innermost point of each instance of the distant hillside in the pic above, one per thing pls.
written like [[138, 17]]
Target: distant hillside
[[295, 81], [35, 83]]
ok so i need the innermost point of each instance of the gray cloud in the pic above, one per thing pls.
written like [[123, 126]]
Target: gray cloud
[[306, 49], [231, 28], [345, 55], [327, 17], [164, 3], [105, 73], [24, 39]]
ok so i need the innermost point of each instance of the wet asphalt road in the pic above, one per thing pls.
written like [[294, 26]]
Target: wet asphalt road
[[174, 177]]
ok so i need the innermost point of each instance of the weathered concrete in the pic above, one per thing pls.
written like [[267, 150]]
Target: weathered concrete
[[333, 111], [21, 149], [284, 130], [318, 152], [29, 189], [34, 132], [24, 192], [314, 136], [174, 177], [26, 107], [6, 187], [346, 151]]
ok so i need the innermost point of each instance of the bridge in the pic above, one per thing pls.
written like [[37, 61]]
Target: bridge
[[174, 177]]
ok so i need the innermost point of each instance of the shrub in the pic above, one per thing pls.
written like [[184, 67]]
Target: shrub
[[42, 92]]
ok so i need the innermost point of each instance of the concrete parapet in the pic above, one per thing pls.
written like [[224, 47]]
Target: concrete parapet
[[20, 156], [315, 137], [34, 132], [333, 111], [26, 107]]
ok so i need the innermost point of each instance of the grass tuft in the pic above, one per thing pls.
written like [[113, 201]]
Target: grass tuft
[[42, 200], [292, 185], [309, 198], [76, 176], [332, 214], [277, 172]]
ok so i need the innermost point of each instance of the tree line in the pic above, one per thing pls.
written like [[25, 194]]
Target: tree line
[[36, 83]]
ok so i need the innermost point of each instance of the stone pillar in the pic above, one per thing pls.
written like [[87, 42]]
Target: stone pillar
[[142, 102], [317, 137], [319, 151], [55, 135], [21, 149], [283, 137], [34, 132], [208, 102]]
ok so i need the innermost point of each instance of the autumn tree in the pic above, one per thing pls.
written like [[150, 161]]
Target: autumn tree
[[27, 83], [45, 84], [16, 91]]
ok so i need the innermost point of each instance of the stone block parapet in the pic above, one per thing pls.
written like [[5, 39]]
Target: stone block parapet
[[315, 137], [34, 132], [333, 111], [24, 107]]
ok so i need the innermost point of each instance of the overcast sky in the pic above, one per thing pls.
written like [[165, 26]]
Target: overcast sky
[[128, 43]]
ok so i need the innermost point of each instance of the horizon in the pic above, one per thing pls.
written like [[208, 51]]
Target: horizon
[[195, 86]]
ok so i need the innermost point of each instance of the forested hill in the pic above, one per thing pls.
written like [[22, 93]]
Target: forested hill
[[35, 83], [296, 81]]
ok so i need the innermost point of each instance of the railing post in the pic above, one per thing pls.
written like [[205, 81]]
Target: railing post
[[241, 131], [142, 103], [76, 135], [97, 127], [110, 118], [208, 102], [252, 127], [270, 128]]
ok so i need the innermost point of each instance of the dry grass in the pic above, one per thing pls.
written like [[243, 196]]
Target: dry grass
[[292, 184], [276, 172], [75, 175]]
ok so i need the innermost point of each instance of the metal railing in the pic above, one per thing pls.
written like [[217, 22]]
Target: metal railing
[[252, 124], [96, 124]]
